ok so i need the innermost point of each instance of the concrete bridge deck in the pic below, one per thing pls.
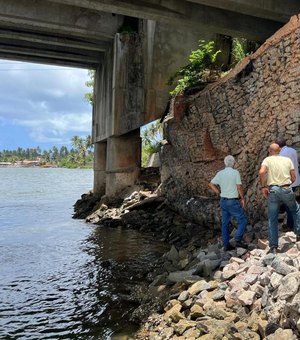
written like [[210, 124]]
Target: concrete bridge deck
[[78, 32], [131, 69]]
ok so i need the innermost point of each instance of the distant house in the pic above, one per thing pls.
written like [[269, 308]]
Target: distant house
[[5, 163], [27, 163]]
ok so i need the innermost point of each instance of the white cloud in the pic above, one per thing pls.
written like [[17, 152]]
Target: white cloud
[[57, 125], [48, 101]]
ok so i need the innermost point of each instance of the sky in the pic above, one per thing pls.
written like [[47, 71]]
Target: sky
[[42, 105]]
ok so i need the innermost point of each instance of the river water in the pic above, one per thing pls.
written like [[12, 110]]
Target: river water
[[61, 278]]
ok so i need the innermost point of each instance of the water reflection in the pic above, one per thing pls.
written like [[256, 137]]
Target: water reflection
[[121, 260], [74, 290]]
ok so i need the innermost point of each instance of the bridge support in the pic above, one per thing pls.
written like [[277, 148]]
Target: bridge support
[[123, 162], [100, 167], [117, 163], [130, 91]]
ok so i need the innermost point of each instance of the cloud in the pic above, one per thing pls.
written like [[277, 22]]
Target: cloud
[[47, 101], [60, 123]]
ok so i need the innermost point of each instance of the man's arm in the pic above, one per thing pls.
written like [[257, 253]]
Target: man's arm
[[241, 193], [263, 171], [214, 188], [293, 175]]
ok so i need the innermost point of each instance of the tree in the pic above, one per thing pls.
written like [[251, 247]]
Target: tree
[[89, 97], [63, 152], [151, 137], [79, 145], [46, 156], [55, 154]]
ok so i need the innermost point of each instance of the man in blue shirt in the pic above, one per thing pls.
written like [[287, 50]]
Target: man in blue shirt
[[227, 183], [291, 153]]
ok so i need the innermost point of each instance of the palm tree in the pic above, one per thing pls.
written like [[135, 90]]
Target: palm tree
[[80, 147], [89, 144]]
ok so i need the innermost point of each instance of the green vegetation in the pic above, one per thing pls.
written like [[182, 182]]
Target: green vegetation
[[89, 97], [239, 50], [202, 68], [151, 137], [80, 155]]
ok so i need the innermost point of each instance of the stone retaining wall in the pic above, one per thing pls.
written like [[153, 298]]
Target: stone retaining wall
[[240, 115]]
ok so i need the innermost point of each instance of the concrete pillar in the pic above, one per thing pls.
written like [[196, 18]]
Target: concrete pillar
[[99, 167], [123, 162]]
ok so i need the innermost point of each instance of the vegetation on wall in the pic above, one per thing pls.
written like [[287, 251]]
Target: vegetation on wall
[[201, 69], [241, 48]]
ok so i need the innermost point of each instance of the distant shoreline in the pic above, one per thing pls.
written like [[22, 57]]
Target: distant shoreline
[[26, 166], [46, 166]]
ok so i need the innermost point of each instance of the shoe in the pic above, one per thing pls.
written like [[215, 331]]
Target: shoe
[[272, 250], [229, 247], [241, 244]]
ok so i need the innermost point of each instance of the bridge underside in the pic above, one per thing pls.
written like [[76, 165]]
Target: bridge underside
[[79, 32], [134, 46]]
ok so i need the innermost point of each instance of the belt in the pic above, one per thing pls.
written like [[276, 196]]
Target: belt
[[280, 186], [225, 198]]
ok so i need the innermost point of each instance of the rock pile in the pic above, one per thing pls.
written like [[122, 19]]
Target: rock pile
[[201, 291], [241, 294], [146, 211]]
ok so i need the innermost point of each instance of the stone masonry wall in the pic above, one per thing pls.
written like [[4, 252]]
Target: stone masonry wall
[[240, 115]]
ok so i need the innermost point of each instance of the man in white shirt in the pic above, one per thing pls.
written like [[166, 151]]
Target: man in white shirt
[[291, 153], [227, 183]]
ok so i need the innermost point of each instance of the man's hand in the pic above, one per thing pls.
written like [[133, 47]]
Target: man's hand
[[265, 192], [242, 200], [214, 188]]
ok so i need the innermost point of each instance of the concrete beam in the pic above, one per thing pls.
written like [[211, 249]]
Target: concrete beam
[[188, 14], [140, 9], [44, 39], [49, 55], [44, 60], [276, 10], [58, 19], [41, 48]]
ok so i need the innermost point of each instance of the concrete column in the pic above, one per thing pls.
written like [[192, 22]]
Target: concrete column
[[99, 167], [123, 162]]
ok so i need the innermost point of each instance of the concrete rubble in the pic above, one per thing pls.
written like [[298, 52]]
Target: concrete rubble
[[241, 294]]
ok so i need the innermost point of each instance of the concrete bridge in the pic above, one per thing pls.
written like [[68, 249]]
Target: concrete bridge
[[134, 46]]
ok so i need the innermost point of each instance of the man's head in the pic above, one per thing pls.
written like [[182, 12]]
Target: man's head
[[280, 141], [274, 149], [229, 161]]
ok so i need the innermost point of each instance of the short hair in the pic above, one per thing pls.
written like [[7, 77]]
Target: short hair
[[229, 161], [280, 141]]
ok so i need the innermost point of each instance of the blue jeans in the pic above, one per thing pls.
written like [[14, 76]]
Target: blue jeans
[[289, 215], [278, 195], [232, 208]]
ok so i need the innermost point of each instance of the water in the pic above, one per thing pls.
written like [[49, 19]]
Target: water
[[61, 278]]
